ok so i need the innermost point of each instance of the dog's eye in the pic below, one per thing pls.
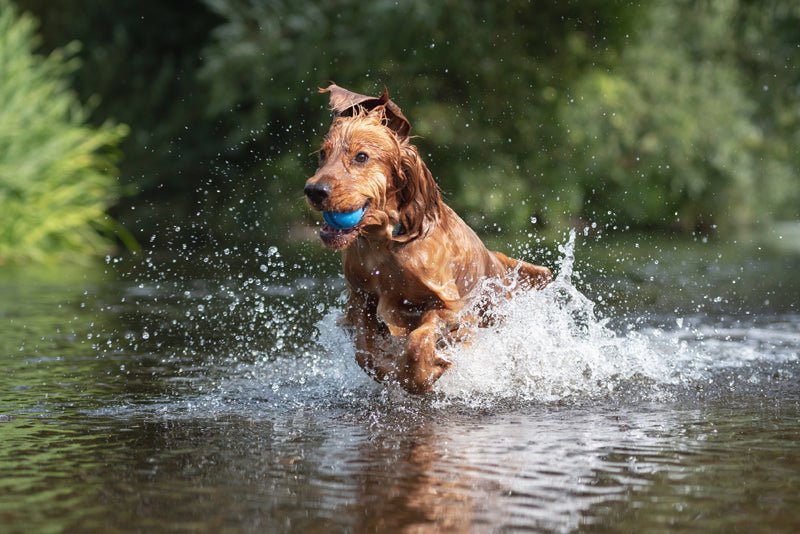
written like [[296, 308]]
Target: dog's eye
[[361, 157], [322, 155]]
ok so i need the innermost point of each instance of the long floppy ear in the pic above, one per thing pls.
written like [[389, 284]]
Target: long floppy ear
[[344, 104], [420, 202]]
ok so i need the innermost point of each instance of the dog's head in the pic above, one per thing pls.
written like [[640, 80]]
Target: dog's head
[[370, 181]]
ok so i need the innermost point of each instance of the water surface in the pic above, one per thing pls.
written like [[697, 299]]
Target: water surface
[[655, 387]]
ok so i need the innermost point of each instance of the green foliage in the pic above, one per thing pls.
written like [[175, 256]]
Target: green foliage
[[657, 115], [478, 80], [669, 136], [140, 57], [637, 116], [57, 175]]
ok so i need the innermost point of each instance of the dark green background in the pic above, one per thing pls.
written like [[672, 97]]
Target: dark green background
[[668, 116]]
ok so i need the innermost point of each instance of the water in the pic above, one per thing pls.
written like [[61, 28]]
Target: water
[[655, 385]]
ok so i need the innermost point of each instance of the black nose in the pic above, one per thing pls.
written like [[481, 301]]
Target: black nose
[[317, 193]]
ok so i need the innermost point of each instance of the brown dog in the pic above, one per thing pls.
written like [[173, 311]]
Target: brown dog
[[410, 262]]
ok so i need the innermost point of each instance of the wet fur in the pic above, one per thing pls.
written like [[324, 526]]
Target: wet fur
[[406, 289]]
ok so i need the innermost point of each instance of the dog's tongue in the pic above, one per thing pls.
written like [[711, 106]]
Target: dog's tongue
[[343, 220]]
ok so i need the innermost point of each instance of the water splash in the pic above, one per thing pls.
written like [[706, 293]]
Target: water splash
[[275, 343], [551, 346], [548, 346]]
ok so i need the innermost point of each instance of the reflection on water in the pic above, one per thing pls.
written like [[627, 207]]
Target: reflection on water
[[556, 468], [231, 403]]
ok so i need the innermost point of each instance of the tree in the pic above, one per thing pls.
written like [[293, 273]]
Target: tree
[[57, 173]]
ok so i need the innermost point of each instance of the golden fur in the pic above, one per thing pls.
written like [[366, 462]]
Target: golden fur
[[411, 263]]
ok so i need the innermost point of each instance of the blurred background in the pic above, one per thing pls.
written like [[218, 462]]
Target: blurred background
[[201, 384], [120, 121]]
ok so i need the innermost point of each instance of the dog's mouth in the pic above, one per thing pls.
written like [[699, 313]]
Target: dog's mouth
[[341, 228]]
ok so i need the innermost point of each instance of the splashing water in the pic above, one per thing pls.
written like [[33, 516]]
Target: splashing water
[[550, 346], [253, 341], [547, 346]]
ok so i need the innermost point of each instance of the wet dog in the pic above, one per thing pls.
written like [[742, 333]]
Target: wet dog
[[409, 260]]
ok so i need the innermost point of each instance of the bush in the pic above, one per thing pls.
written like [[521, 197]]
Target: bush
[[478, 80], [670, 136], [549, 110], [57, 174], [643, 116]]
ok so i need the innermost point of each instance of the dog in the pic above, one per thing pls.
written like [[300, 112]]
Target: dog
[[410, 262]]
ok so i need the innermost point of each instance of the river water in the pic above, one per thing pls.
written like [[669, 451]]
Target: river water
[[654, 386]]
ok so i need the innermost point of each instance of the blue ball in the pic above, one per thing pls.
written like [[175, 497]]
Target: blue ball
[[343, 220]]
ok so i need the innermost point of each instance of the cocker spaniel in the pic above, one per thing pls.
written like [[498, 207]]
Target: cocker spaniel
[[410, 262]]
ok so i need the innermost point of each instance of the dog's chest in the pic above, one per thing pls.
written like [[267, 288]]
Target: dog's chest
[[400, 297], [384, 275]]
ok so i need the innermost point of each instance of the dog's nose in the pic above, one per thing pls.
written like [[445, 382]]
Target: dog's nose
[[317, 193]]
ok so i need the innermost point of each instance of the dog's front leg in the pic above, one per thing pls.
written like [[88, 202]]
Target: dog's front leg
[[421, 364], [373, 353]]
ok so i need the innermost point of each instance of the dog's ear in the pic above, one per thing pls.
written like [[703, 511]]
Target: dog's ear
[[420, 201], [344, 103]]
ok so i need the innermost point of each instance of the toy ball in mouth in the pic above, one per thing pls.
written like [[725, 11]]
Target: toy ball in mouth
[[343, 220]]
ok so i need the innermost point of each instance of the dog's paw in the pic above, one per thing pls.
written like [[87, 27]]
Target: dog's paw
[[420, 369]]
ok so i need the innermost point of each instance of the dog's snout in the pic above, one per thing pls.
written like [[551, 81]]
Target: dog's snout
[[317, 193]]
